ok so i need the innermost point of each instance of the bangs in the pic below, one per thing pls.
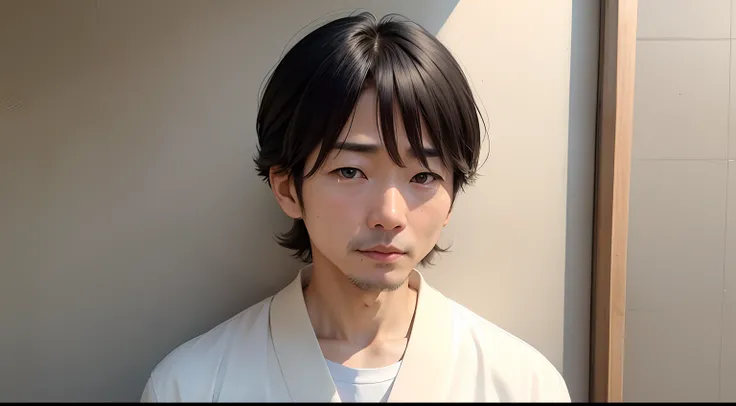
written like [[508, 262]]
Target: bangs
[[415, 77]]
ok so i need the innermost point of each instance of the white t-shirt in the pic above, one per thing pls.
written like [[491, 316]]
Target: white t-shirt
[[363, 384]]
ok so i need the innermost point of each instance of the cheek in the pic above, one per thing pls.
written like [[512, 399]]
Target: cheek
[[429, 218], [329, 211]]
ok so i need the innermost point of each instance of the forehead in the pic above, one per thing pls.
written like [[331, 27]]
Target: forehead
[[364, 124]]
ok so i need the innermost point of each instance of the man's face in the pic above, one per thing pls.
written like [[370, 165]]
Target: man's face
[[366, 216]]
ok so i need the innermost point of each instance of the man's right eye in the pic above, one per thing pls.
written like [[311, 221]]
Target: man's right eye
[[350, 173]]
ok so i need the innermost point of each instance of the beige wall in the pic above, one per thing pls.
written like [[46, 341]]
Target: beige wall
[[681, 309], [132, 219]]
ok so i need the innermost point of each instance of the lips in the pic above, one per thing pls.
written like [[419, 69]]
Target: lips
[[383, 253], [384, 249]]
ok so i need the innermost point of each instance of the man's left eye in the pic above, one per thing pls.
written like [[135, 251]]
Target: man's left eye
[[424, 178]]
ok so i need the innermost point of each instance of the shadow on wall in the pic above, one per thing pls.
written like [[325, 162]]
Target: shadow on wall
[[132, 217], [580, 194]]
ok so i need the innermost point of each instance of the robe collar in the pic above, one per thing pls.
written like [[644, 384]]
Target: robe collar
[[425, 370]]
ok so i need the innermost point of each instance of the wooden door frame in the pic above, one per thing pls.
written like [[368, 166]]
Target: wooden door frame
[[616, 71]]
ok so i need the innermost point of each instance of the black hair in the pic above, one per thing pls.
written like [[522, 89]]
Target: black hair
[[313, 90]]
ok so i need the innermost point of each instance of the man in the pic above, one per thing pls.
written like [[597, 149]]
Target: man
[[367, 130]]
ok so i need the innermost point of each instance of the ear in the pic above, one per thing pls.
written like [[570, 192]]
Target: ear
[[447, 219], [284, 190]]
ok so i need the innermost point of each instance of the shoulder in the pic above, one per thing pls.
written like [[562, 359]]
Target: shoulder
[[515, 364], [190, 371]]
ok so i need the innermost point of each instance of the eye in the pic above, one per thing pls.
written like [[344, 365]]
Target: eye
[[425, 178], [350, 173]]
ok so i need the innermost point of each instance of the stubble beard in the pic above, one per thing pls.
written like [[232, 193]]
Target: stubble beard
[[375, 287]]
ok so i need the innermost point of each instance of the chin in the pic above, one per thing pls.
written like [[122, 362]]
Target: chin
[[378, 277]]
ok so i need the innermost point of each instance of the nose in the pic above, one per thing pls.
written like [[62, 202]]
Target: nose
[[390, 211]]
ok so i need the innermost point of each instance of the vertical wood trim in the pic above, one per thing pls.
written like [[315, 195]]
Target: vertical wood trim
[[613, 162]]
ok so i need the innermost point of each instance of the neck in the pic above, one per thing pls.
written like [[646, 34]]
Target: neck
[[339, 310]]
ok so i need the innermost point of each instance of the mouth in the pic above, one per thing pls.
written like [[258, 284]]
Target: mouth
[[383, 253]]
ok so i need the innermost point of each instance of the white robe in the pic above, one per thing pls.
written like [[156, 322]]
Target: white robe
[[269, 353]]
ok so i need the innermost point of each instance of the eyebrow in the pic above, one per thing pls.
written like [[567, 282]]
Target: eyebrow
[[373, 148]]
